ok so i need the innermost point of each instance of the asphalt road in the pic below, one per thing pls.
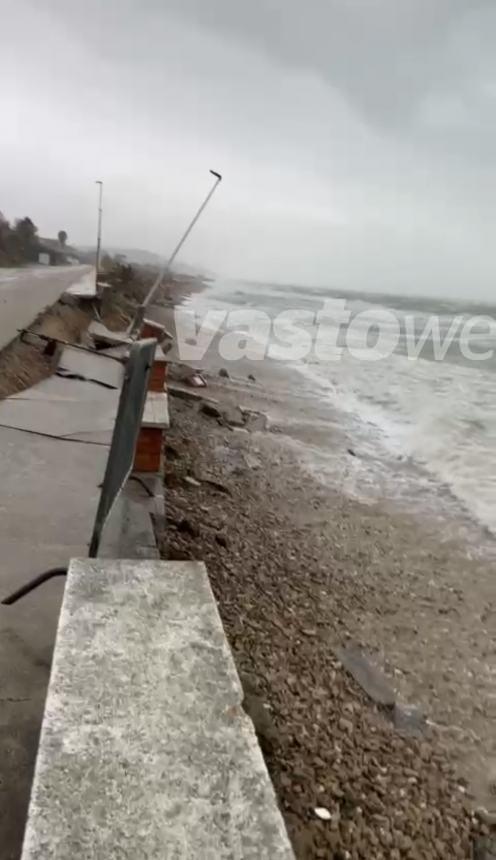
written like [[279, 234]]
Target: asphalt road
[[26, 292]]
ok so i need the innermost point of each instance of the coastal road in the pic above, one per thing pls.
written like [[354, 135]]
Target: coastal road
[[26, 292]]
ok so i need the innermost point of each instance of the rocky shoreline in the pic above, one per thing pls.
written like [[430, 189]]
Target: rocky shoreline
[[294, 567]]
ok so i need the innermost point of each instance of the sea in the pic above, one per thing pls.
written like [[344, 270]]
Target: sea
[[418, 422]]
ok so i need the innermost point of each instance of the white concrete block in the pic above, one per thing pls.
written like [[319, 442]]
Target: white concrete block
[[145, 749]]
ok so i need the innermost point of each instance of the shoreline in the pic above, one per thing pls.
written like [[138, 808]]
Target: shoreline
[[287, 554]]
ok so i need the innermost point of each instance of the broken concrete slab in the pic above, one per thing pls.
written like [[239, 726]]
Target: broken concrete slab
[[233, 415], [62, 408], [255, 421], [48, 497], [60, 418], [49, 492], [26, 291], [189, 394], [84, 287], [103, 335], [156, 412], [48, 489], [57, 388], [145, 749], [367, 675], [92, 366]]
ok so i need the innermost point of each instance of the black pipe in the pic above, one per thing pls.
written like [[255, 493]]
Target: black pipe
[[34, 583]]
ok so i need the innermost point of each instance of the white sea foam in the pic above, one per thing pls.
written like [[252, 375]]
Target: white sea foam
[[441, 414]]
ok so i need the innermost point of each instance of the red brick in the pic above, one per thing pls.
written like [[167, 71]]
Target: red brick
[[148, 455]]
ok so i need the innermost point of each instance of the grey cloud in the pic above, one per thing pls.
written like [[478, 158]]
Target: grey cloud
[[386, 55], [358, 137], [415, 67]]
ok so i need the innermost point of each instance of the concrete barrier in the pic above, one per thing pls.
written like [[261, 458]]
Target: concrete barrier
[[145, 750]]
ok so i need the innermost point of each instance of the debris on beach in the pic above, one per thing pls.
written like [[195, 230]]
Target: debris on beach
[[355, 772], [485, 849], [184, 393], [196, 380], [216, 485], [254, 420], [185, 525], [368, 676], [210, 410], [234, 416], [409, 720], [191, 481], [322, 813], [252, 462]]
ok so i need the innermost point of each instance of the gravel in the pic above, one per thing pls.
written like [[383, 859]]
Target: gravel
[[287, 590]]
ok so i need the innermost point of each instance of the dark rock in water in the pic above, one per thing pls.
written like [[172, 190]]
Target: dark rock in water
[[368, 676], [251, 377], [210, 410], [352, 452], [409, 720], [223, 372]]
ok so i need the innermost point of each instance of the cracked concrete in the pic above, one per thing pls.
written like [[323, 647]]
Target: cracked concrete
[[49, 491], [146, 751]]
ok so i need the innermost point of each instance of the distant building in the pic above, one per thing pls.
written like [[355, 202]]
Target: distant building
[[52, 253]]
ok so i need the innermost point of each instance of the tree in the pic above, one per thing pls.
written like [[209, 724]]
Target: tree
[[26, 239], [5, 240], [62, 237]]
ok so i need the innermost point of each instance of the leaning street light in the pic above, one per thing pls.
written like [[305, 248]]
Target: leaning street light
[[140, 313], [99, 232]]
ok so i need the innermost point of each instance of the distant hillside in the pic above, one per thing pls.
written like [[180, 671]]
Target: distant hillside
[[132, 255], [141, 257]]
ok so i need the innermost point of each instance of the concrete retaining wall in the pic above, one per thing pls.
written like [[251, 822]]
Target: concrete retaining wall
[[145, 750]]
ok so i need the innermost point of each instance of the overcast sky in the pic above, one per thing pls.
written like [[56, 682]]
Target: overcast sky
[[357, 138]]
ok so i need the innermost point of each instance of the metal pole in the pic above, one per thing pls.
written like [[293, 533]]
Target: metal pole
[[99, 233], [141, 310]]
